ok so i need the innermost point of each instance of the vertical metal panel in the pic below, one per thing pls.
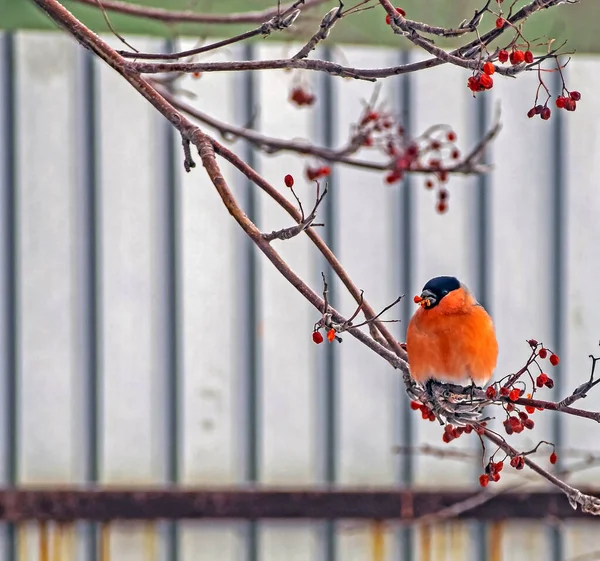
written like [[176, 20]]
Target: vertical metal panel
[[211, 425], [581, 145], [169, 216], [86, 232], [443, 242], [328, 362], [522, 203], [405, 233], [481, 239], [443, 245], [288, 409], [558, 274], [252, 312], [365, 246], [133, 412], [9, 271], [45, 88]]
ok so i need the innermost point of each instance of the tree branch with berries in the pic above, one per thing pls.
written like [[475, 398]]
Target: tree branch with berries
[[433, 153]]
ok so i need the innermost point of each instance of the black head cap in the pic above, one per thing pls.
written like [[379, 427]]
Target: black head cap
[[437, 288]]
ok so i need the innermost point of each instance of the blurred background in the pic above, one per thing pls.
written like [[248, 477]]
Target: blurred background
[[144, 342]]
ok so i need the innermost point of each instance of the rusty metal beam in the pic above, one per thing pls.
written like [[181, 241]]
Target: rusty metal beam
[[151, 504]]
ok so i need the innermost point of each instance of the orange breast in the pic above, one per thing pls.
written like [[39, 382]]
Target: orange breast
[[452, 345]]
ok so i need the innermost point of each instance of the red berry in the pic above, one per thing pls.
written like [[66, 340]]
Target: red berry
[[393, 176], [517, 57], [520, 462], [531, 113], [510, 407], [546, 113], [532, 343], [554, 360], [455, 154], [541, 380], [553, 458], [324, 170], [542, 353], [331, 335], [528, 423], [484, 480], [415, 406], [550, 383], [570, 104], [498, 466], [514, 421], [560, 102], [496, 477], [529, 409], [443, 194], [504, 391], [499, 23], [490, 392], [446, 438], [486, 81], [514, 461], [575, 95], [468, 429], [288, 180], [429, 184], [451, 136], [539, 109], [528, 57], [502, 55], [522, 415], [489, 68], [473, 84], [442, 207], [317, 337], [514, 394]]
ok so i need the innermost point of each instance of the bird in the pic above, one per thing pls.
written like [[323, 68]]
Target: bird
[[450, 338]]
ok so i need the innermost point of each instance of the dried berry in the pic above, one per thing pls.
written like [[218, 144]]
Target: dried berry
[[528, 57], [554, 360], [502, 55], [317, 337], [288, 180]]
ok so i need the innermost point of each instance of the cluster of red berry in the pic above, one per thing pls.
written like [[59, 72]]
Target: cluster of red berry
[[542, 110], [432, 153], [318, 338], [301, 97], [482, 81], [370, 126], [492, 473], [314, 173], [568, 102]]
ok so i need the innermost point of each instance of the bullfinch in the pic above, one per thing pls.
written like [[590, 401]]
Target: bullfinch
[[450, 338]]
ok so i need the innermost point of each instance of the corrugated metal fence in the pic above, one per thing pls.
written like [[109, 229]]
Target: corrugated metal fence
[[144, 341]]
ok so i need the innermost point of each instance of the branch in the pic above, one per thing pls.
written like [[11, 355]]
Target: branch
[[467, 165], [193, 17], [587, 503], [288, 233]]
